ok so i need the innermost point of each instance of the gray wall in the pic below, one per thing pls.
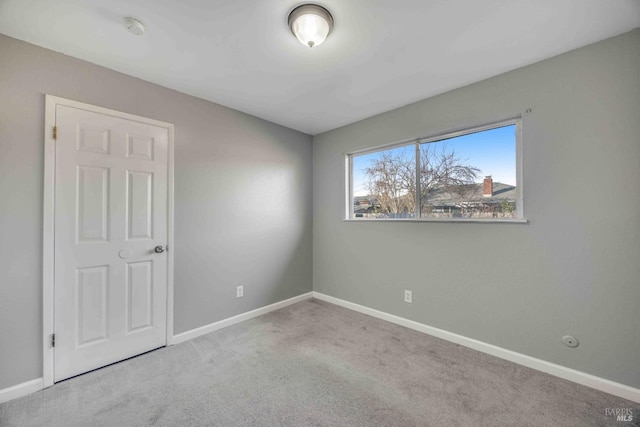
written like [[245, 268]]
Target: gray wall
[[242, 198], [574, 269]]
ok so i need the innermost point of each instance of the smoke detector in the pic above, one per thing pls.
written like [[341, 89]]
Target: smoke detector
[[134, 26]]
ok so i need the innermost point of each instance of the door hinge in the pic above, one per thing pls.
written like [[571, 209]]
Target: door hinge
[[55, 132], [53, 340]]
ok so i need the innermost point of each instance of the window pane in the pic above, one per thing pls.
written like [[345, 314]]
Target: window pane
[[470, 176], [384, 183]]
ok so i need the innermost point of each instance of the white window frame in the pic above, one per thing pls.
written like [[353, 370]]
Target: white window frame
[[520, 218]]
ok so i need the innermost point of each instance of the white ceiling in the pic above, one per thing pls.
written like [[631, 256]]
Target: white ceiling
[[381, 55]]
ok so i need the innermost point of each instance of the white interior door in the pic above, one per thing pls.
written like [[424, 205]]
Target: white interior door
[[110, 284]]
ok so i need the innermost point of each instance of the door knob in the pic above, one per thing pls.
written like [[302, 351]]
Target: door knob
[[159, 249]]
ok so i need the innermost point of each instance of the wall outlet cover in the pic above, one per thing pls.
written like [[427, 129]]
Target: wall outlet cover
[[408, 296]]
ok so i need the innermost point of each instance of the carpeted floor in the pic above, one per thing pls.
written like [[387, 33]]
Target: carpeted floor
[[315, 364]]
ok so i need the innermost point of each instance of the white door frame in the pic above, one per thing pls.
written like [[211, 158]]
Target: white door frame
[[48, 248]]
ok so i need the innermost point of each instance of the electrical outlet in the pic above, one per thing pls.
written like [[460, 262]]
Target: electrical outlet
[[408, 296], [239, 291]]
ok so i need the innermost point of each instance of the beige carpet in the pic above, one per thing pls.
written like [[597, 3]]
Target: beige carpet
[[315, 364]]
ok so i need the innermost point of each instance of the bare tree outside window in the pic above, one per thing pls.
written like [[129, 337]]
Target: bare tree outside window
[[391, 181], [455, 178], [442, 170]]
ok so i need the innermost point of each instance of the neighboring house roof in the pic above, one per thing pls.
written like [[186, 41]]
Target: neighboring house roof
[[469, 192], [472, 194]]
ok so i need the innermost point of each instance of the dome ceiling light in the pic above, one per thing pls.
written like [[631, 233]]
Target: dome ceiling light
[[311, 24]]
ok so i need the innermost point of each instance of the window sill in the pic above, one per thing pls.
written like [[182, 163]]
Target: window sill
[[447, 220]]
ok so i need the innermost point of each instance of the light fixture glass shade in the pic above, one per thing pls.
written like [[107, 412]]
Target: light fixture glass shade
[[311, 24]]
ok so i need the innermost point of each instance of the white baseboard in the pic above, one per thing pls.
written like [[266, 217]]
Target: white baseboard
[[563, 372], [195, 333], [579, 377], [20, 390]]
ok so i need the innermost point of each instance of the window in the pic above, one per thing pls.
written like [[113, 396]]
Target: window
[[469, 175]]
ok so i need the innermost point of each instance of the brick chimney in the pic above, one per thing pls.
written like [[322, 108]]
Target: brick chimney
[[487, 186]]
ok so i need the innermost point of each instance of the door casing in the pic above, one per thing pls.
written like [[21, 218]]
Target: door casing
[[48, 253]]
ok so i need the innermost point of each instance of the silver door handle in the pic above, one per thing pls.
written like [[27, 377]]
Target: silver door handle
[[159, 249]]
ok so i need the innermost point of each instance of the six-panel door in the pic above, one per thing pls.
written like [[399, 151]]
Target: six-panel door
[[110, 215]]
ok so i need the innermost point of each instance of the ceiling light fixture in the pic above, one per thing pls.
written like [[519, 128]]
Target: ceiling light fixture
[[311, 24], [133, 26]]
